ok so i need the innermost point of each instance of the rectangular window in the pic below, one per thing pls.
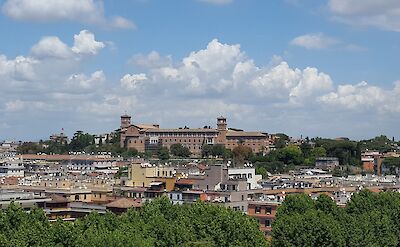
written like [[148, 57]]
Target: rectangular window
[[258, 210], [268, 210], [267, 223]]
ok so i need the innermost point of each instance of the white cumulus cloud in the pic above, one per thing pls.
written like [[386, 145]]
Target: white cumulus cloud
[[82, 81], [129, 81], [21, 68], [379, 14], [315, 41], [217, 79], [85, 43], [85, 11], [362, 96], [224, 69], [151, 60], [51, 46]]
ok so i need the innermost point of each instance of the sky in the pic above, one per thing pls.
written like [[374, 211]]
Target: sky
[[327, 68]]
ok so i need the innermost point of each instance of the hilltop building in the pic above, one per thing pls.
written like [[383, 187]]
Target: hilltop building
[[60, 138], [145, 137]]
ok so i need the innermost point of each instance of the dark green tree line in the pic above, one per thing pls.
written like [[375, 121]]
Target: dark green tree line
[[369, 219], [158, 223]]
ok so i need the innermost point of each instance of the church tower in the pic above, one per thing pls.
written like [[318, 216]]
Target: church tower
[[222, 128], [125, 121], [221, 124]]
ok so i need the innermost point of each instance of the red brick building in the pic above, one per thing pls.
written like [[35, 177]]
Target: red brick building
[[265, 213], [147, 137]]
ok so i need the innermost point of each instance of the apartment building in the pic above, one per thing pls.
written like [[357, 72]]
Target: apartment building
[[11, 167], [265, 213], [144, 174]]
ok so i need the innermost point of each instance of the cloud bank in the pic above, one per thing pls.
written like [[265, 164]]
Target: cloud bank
[[219, 79], [84, 11]]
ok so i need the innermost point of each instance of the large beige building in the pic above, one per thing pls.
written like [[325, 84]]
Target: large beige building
[[143, 175], [149, 137]]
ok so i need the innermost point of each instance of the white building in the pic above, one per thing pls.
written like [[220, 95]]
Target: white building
[[11, 167], [249, 174], [176, 197]]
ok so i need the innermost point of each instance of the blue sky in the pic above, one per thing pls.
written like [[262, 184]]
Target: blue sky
[[303, 67]]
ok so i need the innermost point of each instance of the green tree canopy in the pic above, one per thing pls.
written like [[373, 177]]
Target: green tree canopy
[[80, 141], [30, 148], [369, 219], [241, 153], [163, 153], [158, 223], [291, 155], [179, 150]]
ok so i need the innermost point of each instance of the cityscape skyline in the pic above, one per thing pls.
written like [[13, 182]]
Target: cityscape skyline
[[297, 67]]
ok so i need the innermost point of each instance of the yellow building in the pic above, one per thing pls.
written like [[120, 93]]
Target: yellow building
[[142, 175]]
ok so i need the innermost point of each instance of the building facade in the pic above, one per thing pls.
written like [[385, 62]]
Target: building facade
[[11, 167], [150, 137], [265, 213]]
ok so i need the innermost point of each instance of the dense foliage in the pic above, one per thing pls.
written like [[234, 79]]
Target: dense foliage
[[392, 164], [216, 150], [80, 142], [369, 219], [348, 152], [240, 154], [289, 156], [179, 150], [158, 223], [280, 160], [380, 143]]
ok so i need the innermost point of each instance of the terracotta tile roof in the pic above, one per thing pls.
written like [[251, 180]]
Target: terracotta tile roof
[[57, 198], [201, 167], [124, 203], [231, 133], [184, 181], [146, 126], [183, 130], [10, 181]]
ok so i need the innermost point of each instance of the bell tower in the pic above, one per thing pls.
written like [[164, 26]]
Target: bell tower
[[125, 121], [221, 124], [222, 128]]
